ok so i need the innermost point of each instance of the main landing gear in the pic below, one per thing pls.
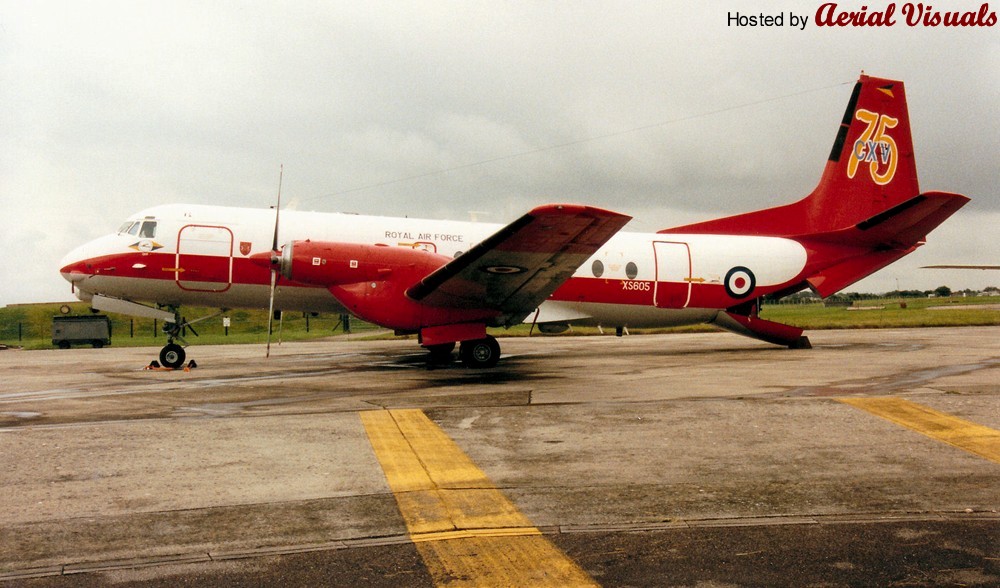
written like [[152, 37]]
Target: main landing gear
[[476, 354], [480, 353]]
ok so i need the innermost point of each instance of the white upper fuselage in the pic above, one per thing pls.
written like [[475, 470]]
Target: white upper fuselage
[[199, 255]]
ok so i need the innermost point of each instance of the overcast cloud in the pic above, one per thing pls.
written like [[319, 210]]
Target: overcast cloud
[[662, 110]]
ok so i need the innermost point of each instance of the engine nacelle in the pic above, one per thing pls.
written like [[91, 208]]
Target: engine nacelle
[[326, 263], [371, 281]]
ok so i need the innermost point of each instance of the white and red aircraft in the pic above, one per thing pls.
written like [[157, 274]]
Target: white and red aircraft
[[557, 265]]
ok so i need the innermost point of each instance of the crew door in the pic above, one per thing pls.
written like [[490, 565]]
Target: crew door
[[673, 274], [204, 258]]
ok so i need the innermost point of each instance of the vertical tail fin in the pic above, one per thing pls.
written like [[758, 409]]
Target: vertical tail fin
[[870, 169]]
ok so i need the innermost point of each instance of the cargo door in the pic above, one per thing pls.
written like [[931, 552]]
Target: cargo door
[[204, 258], [673, 274]]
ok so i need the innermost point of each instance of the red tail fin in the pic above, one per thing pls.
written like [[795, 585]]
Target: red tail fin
[[870, 170]]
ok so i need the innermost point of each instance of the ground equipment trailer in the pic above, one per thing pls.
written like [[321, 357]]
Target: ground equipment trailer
[[81, 330]]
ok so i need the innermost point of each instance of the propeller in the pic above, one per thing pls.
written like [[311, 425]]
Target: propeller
[[275, 261]]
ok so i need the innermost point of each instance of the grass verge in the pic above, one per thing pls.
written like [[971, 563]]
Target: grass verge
[[30, 325]]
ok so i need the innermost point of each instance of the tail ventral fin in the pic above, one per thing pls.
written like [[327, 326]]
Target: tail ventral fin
[[870, 169]]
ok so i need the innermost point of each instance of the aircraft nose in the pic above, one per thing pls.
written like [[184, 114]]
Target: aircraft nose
[[77, 265], [73, 266]]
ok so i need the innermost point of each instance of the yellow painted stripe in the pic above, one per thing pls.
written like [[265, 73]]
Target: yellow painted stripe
[[977, 439], [467, 532]]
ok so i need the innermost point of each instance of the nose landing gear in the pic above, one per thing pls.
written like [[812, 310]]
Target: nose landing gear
[[172, 355]]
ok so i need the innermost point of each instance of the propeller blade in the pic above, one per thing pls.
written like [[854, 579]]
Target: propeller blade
[[274, 258], [277, 211], [270, 313]]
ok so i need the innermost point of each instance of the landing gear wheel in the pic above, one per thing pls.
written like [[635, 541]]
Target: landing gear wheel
[[480, 353], [172, 356], [441, 354]]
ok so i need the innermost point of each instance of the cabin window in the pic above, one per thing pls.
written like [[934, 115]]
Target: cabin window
[[134, 229], [631, 270], [125, 227], [148, 230], [597, 268]]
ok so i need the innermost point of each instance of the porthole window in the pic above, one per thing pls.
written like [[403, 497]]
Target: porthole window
[[631, 270], [597, 268]]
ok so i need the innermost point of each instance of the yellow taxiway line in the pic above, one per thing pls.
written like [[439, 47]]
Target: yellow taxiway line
[[977, 439], [467, 532]]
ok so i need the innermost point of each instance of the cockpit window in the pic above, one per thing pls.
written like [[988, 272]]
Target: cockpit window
[[142, 229]]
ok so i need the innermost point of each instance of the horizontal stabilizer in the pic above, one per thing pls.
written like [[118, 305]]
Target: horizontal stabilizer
[[901, 226]]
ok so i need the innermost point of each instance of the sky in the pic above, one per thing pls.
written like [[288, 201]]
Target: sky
[[663, 110]]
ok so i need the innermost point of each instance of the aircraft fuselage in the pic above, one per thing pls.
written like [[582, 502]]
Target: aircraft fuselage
[[200, 255]]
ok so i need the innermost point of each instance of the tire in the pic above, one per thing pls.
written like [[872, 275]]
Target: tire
[[63, 344], [97, 343], [480, 353], [172, 356]]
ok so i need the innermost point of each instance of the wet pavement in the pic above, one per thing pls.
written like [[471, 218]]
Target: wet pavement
[[701, 459]]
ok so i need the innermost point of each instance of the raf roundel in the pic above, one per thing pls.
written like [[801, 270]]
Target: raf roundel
[[740, 282]]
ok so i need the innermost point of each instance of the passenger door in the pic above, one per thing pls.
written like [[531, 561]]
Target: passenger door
[[673, 274]]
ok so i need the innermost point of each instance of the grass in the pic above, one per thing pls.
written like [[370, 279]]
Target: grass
[[890, 313], [29, 325]]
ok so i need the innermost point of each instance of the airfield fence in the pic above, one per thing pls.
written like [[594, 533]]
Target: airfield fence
[[30, 325]]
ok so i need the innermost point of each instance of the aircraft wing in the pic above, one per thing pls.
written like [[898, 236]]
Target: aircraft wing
[[519, 266]]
